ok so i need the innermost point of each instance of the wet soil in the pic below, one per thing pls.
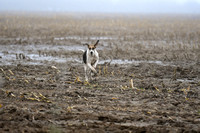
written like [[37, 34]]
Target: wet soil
[[140, 87]]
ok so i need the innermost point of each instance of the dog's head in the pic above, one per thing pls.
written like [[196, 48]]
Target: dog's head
[[92, 47]]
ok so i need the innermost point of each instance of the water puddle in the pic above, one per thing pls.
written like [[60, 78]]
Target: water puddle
[[188, 80], [36, 48], [120, 62], [136, 124], [47, 58], [36, 59], [9, 55]]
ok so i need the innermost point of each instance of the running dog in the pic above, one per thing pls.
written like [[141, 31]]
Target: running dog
[[90, 59]]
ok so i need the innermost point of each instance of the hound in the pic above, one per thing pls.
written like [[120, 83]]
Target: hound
[[90, 59]]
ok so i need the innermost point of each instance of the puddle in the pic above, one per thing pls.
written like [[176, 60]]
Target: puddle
[[35, 48], [120, 62], [188, 80], [126, 124], [136, 124], [48, 58], [8, 55], [35, 59]]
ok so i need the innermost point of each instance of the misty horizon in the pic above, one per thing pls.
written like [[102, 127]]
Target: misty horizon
[[103, 6]]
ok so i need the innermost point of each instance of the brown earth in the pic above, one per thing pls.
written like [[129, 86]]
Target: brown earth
[[148, 76]]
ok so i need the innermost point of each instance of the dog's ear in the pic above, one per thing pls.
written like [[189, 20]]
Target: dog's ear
[[96, 43]]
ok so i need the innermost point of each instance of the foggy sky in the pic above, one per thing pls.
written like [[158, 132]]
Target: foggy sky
[[116, 6]]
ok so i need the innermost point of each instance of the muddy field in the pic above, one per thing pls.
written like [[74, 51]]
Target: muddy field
[[148, 75]]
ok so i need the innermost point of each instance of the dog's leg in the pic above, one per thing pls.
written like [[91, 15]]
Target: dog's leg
[[95, 64], [92, 68], [85, 69], [90, 74]]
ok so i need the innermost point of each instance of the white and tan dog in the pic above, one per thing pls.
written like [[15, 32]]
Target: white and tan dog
[[90, 59]]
